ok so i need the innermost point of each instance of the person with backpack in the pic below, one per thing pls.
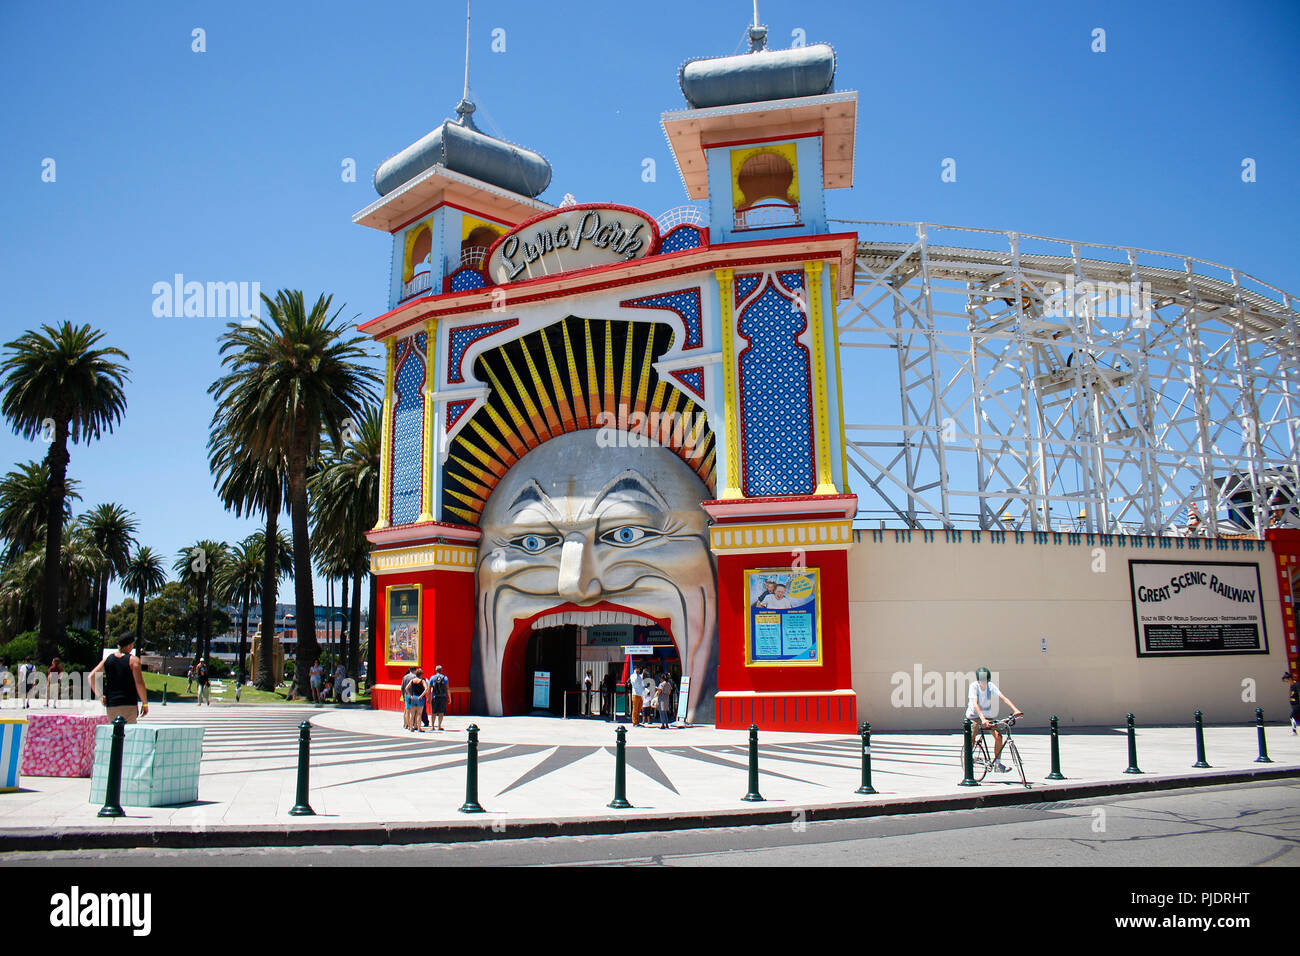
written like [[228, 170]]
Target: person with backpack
[[26, 680], [439, 690]]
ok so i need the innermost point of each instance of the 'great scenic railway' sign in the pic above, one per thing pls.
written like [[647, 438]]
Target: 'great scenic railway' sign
[[571, 238]]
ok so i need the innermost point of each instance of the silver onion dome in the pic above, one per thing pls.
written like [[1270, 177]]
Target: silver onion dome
[[461, 147], [758, 75]]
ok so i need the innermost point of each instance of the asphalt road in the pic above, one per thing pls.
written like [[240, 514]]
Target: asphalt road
[[1238, 825]]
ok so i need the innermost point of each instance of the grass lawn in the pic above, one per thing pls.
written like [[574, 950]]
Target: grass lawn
[[222, 691]]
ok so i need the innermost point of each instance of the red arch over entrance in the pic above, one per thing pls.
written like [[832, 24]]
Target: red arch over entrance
[[514, 681]]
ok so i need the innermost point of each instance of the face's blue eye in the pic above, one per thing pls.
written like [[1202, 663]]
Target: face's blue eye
[[628, 535], [534, 543]]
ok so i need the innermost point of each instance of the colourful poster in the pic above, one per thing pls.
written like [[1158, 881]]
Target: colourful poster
[[403, 625], [783, 623], [541, 689]]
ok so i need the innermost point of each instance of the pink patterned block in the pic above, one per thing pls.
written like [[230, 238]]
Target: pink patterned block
[[60, 745]]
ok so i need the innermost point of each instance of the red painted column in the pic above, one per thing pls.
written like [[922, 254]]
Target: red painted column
[[791, 696]]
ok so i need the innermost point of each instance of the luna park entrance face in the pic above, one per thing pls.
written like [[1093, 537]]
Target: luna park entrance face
[[578, 669]]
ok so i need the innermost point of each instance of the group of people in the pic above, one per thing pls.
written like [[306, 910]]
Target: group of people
[[27, 681], [649, 695], [327, 688], [420, 695]]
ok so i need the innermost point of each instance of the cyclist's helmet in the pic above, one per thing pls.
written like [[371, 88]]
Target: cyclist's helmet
[[983, 674]]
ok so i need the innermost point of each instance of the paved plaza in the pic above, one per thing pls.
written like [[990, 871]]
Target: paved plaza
[[368, 773]]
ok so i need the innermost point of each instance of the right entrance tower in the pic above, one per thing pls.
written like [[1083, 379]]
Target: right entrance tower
[[765, 135]]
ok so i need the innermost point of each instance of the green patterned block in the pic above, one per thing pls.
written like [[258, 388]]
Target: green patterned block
[[160, 764]]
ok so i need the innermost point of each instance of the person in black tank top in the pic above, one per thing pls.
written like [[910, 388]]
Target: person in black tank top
[[123, 682]]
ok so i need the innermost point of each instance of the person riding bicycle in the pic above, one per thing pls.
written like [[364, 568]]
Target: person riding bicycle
[[982, 709]]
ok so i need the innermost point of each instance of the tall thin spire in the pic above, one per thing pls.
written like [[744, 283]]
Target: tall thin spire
[[465, 108]]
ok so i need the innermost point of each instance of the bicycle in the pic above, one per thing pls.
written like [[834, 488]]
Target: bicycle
[[982, 758]]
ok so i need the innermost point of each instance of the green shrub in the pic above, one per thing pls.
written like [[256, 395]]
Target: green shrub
[[82, 649], [218, 668], [22, 647]]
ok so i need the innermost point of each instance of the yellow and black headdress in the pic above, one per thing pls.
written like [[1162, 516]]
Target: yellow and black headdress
[[572, 375]]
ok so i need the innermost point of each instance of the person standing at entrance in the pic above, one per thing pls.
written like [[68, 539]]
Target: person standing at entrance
[[52, 682], [586, 695], [665, 701], [439, 691], [638, 691], [26, 680], [123, 692], [201, 677], [416, 693]]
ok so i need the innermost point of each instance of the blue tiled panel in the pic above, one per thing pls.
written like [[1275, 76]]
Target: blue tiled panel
[[465, 279], [681, 237], [775, 397], [685, 303], [408, 433]]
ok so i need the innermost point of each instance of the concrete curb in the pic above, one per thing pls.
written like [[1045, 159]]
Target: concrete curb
[[38, 839]]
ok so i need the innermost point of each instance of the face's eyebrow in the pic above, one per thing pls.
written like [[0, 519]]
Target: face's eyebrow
[[633, 485], [532, 493]]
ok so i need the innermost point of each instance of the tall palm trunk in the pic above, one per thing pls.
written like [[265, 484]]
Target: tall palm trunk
[[354, 627], [102, 619], [204, 617], [308, 648], [51, 635], [243, 640], [342, 646], [139, 624], [266, 676]]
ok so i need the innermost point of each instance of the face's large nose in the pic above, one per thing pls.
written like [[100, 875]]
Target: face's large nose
[[578, 582]]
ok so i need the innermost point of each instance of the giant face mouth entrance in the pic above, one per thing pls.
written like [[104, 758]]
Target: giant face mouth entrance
[[567, 641]]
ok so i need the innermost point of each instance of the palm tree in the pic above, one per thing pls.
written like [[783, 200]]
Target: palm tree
[[345, 505], [289, 381], [24, 496], [60, 386], [196, 567], [240, 582], [112, 528], [245, 484], [75, 571], [144, 577]]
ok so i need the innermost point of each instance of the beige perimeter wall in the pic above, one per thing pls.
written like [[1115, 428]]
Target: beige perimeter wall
[[941, 608]]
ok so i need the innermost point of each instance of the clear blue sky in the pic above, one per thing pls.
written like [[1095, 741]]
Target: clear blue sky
[[225, 165]]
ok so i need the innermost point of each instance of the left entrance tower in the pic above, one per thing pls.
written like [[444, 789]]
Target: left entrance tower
[[444, 200]]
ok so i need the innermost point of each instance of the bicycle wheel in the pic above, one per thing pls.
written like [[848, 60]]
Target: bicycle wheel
[[1016, 761], [980, 760]]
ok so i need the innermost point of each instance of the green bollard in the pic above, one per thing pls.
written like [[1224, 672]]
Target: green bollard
[[866, 787], [1056, 753], [1200, 742], [113, 797], [753, 796], [471, 804], [1132, 746], [1259, 727], [967, 758], [620, 771], [301, 808]]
